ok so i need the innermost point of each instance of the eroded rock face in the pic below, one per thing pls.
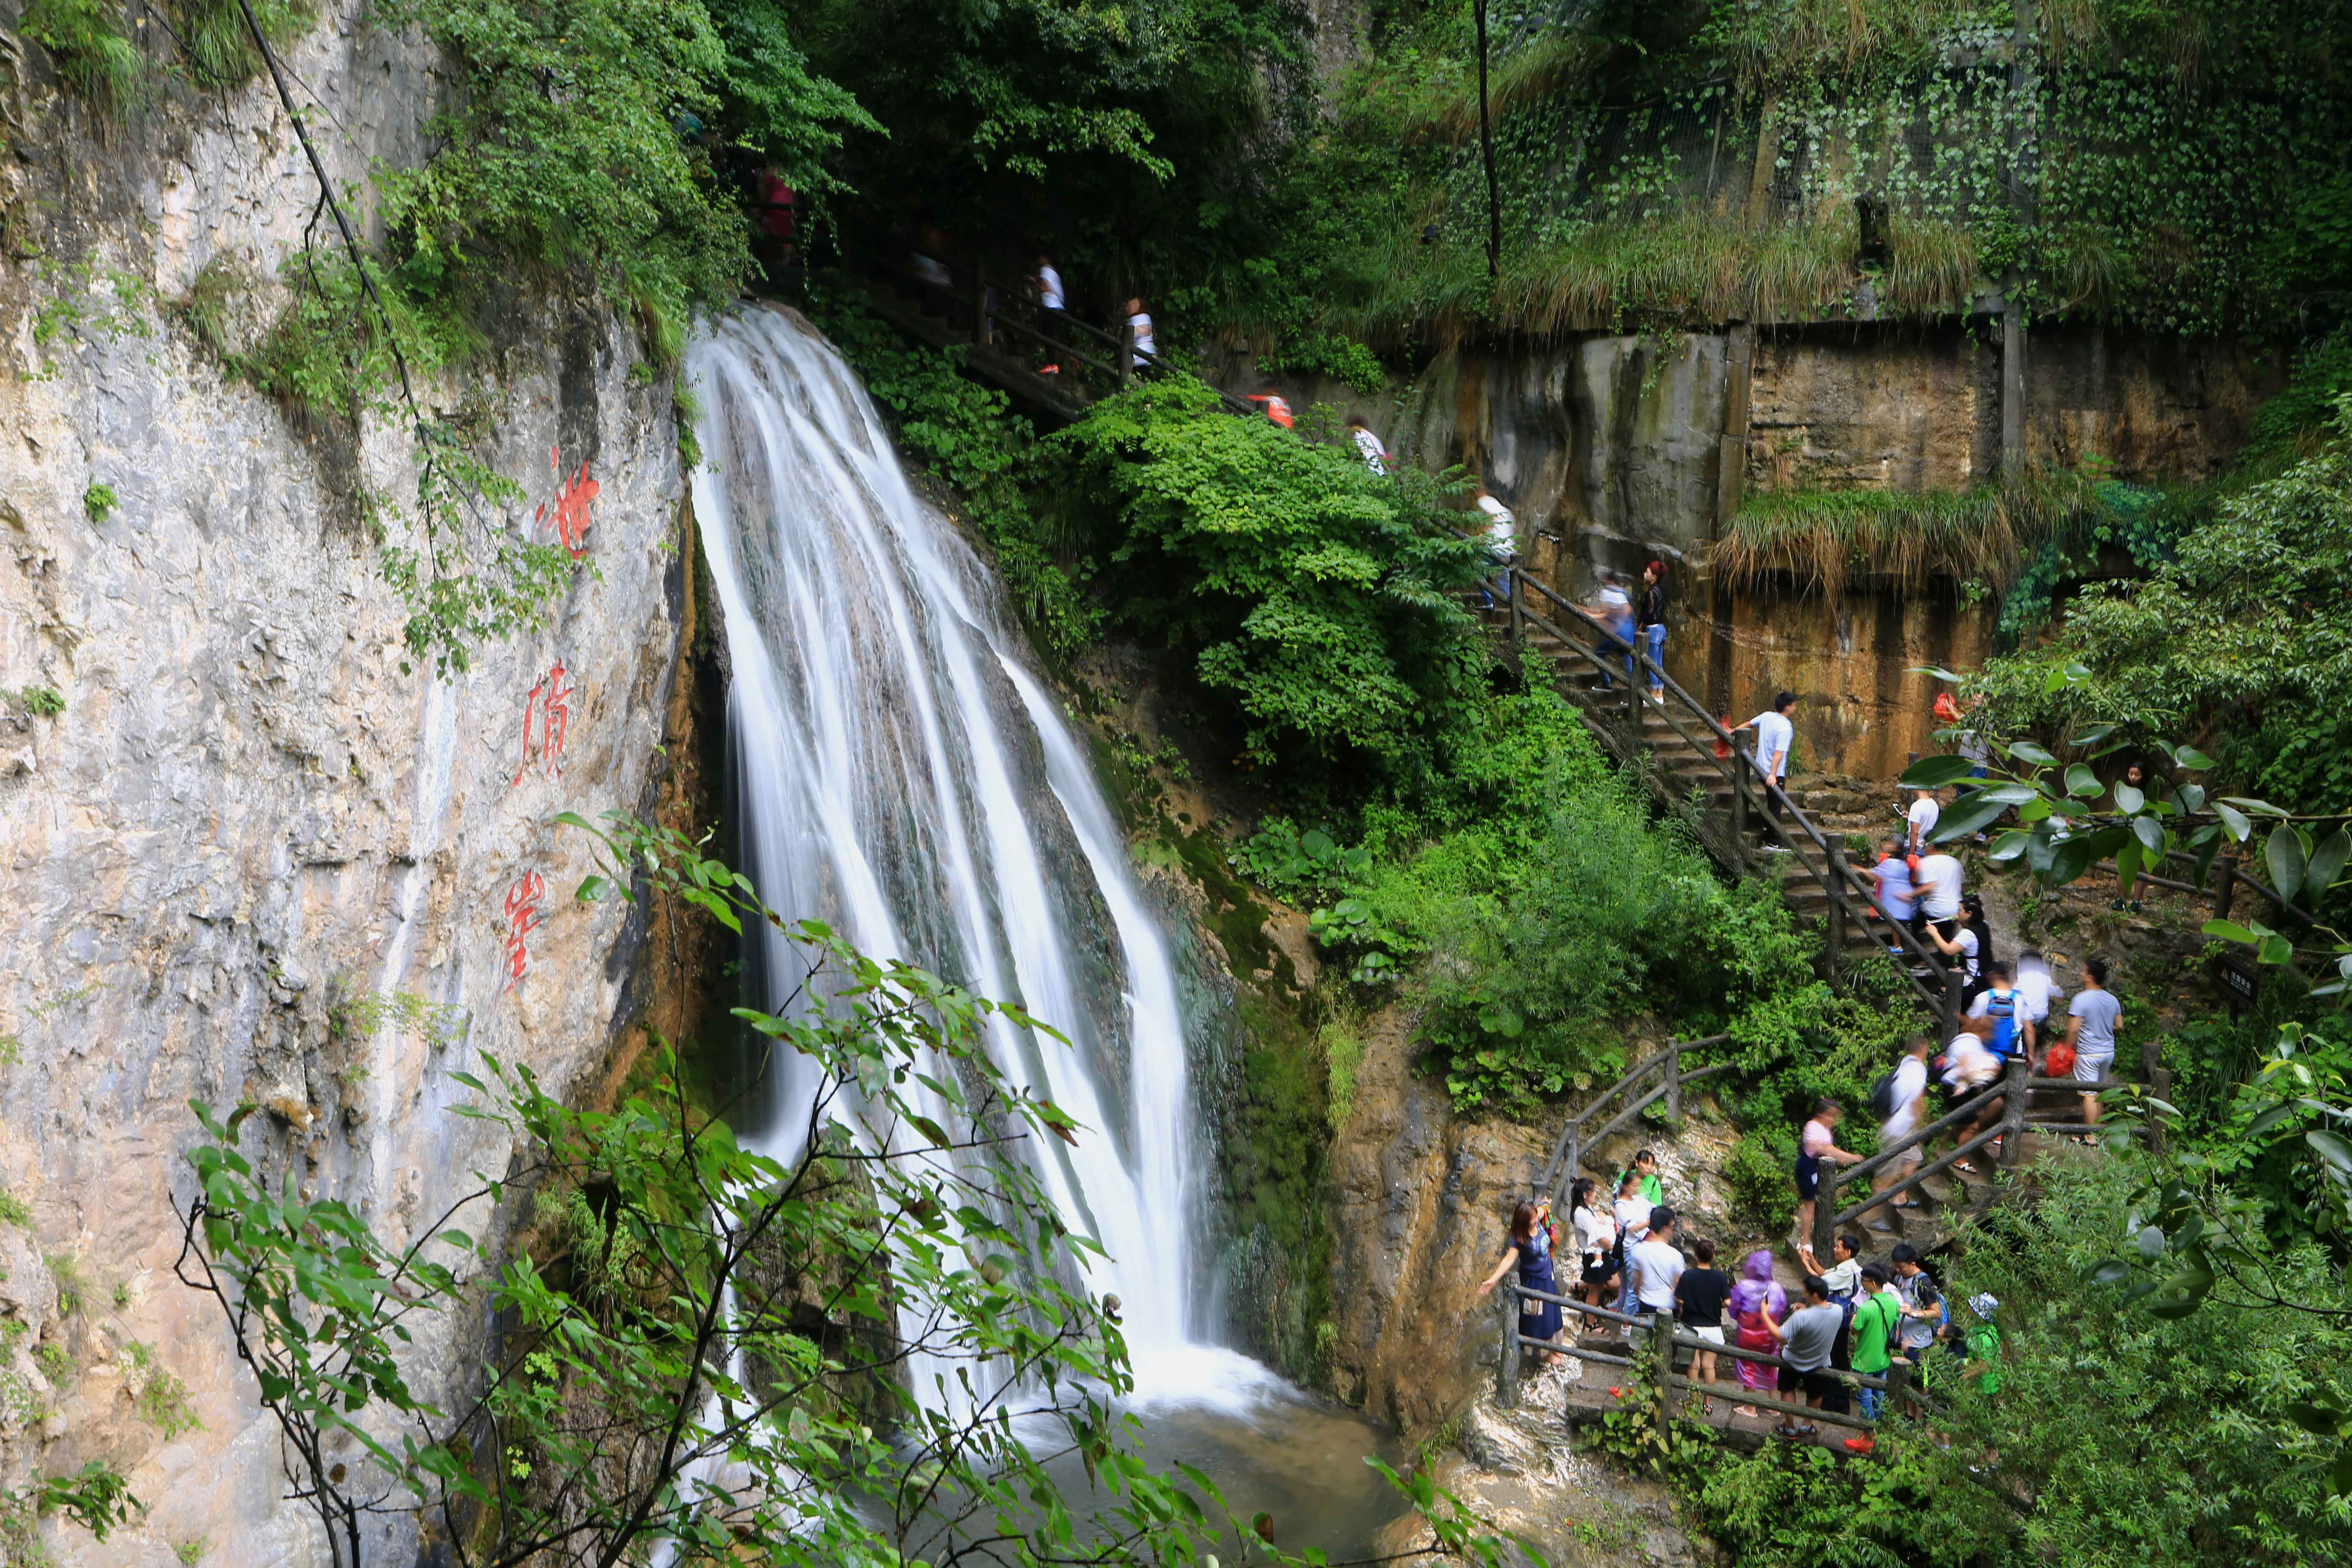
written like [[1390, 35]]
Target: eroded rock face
[[253, 858]]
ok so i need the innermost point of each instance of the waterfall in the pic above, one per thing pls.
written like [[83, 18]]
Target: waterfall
[[904, 779]]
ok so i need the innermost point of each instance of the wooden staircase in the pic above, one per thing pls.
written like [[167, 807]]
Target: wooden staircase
[[1676, 747]]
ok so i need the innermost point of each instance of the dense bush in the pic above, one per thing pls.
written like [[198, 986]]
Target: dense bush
[[1308, 597]]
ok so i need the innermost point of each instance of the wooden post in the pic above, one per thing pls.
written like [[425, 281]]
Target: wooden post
[[2012, 1110], [1738, 809], [1127, 356], [2159, 1087], [1825, 1207], [1837, 909], [1953, 985], [1507, 1387], [1898, 1388], [1634, 689], [1674, 1084], [978, 307], [1511, 581], [1575, 1158], [2225, 883], [1662, 1339]]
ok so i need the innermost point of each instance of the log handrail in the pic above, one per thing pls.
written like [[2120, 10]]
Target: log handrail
[[1566, 1149]]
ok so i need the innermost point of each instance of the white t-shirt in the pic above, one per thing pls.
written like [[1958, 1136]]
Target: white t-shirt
[[1964, 938], [1143, 343], [1940, 887], [1049, 288], [1774, 736], [1502, 536], [2035, 991], [1910, 1094], [1924, 814], [1368, 446], [1596, 1232], [1633, 1217], [1966, 1063], [1656, 1266]]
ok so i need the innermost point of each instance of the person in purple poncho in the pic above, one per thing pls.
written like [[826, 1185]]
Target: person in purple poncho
[[1752, 1297]]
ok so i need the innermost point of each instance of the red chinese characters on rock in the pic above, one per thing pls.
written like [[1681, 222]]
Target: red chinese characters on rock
[[523, 917], [546, 719], [572, 499]]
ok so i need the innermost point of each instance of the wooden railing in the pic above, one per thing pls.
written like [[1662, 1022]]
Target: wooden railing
[[1704, 733], [1665, 1340], [1567, 1149]]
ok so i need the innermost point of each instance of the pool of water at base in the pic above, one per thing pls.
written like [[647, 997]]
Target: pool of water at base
[[1270, 1446]]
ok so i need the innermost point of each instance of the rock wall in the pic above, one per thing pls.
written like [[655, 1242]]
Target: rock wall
[[1614, 450], [253, 858]]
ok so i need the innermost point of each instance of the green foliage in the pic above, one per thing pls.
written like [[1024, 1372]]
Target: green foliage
[[41, 701], [354, 1013], [1756, 1174], [966, 435], [161, 1397], [98, 500], [1310, 598], [217, 41], [94, 55], [14, 1211], [57, 1365], [73, 1290]]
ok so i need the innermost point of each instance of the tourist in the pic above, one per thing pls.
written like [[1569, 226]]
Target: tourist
[[2036, 990], [1962, 943], [2091, 1022], [1596, 1241], [1906, 1097], [1502, 542], [1843, 1277], [1757, 1301], [1806, 1340], [1922, 1308], [1939, 879], [1650, 621], [1877, 1319], [1657, 1263], [1699, 1298], [1654, 1187], [1146, 349], [1053, 303], [1970, 1071], [1273, 405], [1529, 1249], [1614, 611], [1892, 889], [1776, 735], [1816, 1143], [1921, 818], [1368, 445], [2000, 1004], [1633, 1212]]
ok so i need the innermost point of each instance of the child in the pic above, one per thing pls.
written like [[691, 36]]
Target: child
[[1699, 1295], [1633, 1212]]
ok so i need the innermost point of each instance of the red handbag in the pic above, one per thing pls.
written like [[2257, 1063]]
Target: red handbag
[[2060, 1062]]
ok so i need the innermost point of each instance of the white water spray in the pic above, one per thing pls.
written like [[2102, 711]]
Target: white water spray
[[907, 781]]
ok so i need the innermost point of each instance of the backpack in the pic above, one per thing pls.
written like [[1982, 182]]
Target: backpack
[[2002, 1011], [1882, 1094]]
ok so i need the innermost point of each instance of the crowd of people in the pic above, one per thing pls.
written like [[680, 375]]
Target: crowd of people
[[1853, 1316]]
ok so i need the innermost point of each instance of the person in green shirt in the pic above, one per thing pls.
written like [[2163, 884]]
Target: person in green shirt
[[1875, 1315], [1645, 1166]]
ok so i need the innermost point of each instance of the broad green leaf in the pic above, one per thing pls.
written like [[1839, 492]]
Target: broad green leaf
[[1968, 813], [2191, 798], [1946, 675], [1935, 773], [2127, 867], [2192, 759], [2092, 735], [2327, 862], [2083, 784], [2026, 751], [2233, 821], [592, 890], [2128, 799], [2009, 793], [2230, 931], [2284, 853], [2332, 1148], [2008, 847], [2275, 949], [2151, 833]]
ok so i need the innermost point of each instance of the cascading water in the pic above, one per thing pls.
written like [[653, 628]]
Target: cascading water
[[907, 781]]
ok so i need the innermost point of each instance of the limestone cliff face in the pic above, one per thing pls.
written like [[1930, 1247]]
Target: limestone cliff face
[[251, 857]]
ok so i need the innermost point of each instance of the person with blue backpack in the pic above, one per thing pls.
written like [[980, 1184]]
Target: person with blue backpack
[[2000, 1004]]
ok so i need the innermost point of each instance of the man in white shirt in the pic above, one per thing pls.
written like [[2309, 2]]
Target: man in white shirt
[[1368, 445], [1657, 1263], [2037, 988], [1939, 879], [1502, 543], [1614, 610], [1776, 735], [1910, 1095], [1141, 322], [1054, 301], [1923, 816]]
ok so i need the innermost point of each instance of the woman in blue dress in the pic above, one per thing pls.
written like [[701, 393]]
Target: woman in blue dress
[[1529, 1247]]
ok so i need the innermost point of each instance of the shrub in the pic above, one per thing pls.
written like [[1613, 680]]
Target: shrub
[[1759, 1174]]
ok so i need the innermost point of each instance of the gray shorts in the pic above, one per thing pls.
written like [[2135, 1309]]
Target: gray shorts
[[2091, 1069]]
